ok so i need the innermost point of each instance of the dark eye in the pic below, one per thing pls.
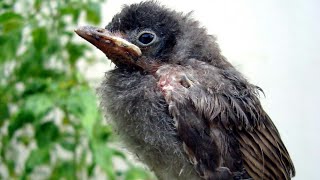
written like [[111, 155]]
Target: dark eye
[[146, 38]]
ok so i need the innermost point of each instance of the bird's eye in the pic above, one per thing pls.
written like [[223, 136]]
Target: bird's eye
[[146, 38]]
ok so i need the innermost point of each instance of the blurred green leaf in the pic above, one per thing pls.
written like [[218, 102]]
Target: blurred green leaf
[[101, 133], [53, 46], [37, 157], [34, 108], [19, 120], [90, 169], [11, 25], [37, 4], [34, 86], [4, 112], [10, 21], [30, 65], [68, 140], [75, 51], [103, 157], [137, 174], [40, 38], [64, 170], [68, 144], [93, 11], [5, 5], [82, 103], [9, 44], [9, 16], [46, 134], [72, 10], [38, 104]]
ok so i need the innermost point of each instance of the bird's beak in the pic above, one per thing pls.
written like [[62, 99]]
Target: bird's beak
[[110, 44]]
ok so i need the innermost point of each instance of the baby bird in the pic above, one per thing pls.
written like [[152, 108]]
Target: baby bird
[[179, 105]]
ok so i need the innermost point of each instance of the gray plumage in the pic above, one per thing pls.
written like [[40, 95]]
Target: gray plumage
[[180, 106]]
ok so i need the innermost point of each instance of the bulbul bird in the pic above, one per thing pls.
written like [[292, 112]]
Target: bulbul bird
[[179, 105]]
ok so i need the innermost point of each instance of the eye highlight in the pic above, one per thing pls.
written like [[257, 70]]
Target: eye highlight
[[146, 38]]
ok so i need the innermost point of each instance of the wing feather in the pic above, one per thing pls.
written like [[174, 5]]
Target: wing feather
[[210, 117], [263, 152], [264, 137]]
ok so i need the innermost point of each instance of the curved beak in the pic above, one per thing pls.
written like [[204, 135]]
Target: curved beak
[[113, 45]]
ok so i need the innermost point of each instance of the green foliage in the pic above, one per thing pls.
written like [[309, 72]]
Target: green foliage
[[49, 117]]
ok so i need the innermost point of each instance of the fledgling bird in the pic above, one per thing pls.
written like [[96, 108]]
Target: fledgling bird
[[179, 105]]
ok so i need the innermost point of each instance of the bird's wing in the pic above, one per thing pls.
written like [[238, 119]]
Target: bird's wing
[[263, 152], [199, 113]]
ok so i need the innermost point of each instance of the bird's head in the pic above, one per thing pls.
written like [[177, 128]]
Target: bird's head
[[147, 35]]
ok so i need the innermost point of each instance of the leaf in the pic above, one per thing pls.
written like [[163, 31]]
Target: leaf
[[34, 86], [82, 103], [73, 9], [4, 111], [46, 134], [19, 120], [7, 16], [40, 38], [33, 109], [9, 44], [103, 157], [75, 51], [64, 170], [37, 4], [67, 141], [101, 132], [93, 11], [137, 174], [11, 25], [68, 145], [38, 104], [30, 64], [90, 169], [37, 157], [5, 5], [10, 21], [53, 46]]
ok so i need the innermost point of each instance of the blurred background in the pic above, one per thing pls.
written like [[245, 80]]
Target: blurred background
[[50, 123]]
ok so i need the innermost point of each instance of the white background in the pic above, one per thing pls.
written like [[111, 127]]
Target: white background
[[276, 45]]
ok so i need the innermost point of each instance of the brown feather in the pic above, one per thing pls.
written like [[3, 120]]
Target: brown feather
[[205, 112]]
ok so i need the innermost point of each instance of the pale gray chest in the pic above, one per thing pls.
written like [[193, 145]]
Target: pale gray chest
[[140, 116]]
